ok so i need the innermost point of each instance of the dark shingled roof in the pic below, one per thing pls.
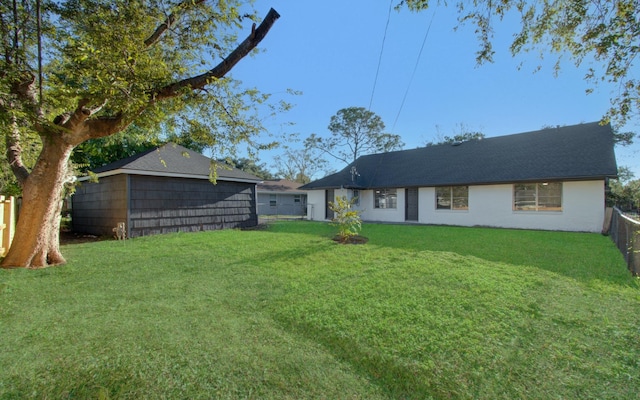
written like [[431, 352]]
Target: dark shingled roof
[[172, 159], [578, 152]]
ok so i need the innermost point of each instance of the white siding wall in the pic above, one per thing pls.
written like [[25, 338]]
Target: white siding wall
[[369, 213], [490, 205], [315, 205]]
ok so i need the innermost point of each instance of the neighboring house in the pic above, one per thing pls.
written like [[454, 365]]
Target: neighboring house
[[167, 189], [552, 179], [281, 197]]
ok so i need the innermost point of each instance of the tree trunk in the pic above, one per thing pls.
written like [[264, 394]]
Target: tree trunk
[[36, 243]]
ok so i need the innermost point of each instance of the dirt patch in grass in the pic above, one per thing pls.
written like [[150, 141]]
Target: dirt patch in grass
[[69, 237], [352, 240]]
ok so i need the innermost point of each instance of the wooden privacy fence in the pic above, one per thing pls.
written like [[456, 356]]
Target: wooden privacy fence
[[625, 233], [7, 223]]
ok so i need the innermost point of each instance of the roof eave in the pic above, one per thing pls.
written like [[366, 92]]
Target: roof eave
[[165, 174], [478, 183]]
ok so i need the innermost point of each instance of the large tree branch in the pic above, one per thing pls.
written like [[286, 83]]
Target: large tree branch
[[79, 126], [220, 70], [106, 126], [25, 89], [14, 153], [25, 92]]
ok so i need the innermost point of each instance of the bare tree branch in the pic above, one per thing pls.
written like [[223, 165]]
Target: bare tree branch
[[220, 70], [162, 28]]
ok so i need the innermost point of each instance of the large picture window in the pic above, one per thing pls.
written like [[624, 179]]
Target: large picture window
[[385, 198], [545, 196], [452, 198]]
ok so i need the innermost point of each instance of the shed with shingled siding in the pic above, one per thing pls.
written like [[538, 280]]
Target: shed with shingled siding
[[164, 190]]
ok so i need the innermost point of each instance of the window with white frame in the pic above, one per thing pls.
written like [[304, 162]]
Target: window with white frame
[[297, 198], [273, 200], [452, 198], [546, 196], [385, 198]]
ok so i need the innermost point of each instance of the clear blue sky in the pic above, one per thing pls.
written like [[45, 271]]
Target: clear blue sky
[[329, 50]]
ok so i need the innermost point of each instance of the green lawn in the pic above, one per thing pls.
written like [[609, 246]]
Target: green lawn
[[418, 312]]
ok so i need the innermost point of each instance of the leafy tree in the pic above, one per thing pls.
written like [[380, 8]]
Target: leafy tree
[[625, 195], [248, 165], [75, 70], [633, 190], [603, 32], [345, 218], [623, 138], [300, 165], [95, 153], [625, 191], [355, 131], [463, 134]]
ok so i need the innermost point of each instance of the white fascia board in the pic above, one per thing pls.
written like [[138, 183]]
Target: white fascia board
[[279, 192], [164, 174]]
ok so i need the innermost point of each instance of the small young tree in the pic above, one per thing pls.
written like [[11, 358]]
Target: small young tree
[[345, 218]]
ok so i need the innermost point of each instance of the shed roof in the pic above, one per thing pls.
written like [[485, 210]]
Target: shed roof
[[577, 152], [173, 160]]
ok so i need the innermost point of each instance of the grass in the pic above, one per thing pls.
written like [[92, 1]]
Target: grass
[[417, 312]]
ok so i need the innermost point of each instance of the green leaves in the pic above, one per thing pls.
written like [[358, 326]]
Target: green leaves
[[605, 32], [345, 218], [120, 54], [355, 131]]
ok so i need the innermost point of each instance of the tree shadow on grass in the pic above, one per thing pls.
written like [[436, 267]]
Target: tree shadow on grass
[[397, 379]]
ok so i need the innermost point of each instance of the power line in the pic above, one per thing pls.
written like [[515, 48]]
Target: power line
[[375, 80], [414, 71]]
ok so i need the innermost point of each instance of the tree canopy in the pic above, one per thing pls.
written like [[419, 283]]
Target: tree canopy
[[75, 70], [355, 131], [602, 33], [624, 192], [251, 166], [126, 64], [462, 133], [300, 165]]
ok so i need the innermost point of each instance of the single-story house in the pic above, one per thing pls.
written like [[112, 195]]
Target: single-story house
[[162, 190], [281, 197], [551, 179]]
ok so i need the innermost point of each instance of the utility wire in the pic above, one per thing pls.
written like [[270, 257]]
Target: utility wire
[[426, 35], [375, 80]]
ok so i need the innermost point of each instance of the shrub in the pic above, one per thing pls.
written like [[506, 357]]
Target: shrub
[[345, 218]]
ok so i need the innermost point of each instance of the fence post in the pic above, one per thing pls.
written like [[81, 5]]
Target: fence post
[[7, 223], [634, 252], [3, 227]]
